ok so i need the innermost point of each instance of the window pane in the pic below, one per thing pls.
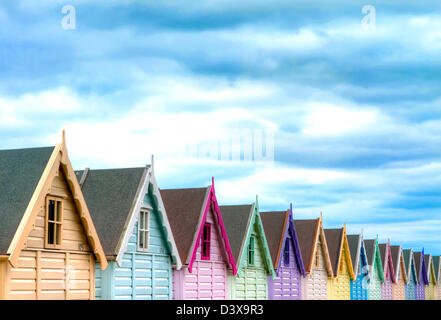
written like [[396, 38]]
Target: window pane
[[58, 233], [141, 220], [141, 239], [58, 211], [51, 210], [50, 232]]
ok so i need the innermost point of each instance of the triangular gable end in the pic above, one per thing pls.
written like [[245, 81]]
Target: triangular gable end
[[320, 233], [149, 185], [212, 202], [345, 247], [364, 260], [295, 242], [255, 218], [389, 264], [59, 159], [377, 261]]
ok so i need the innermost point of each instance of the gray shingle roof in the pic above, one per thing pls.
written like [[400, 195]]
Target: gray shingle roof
[[273, 223], [184, 207], [436, 260], [20, 172], [353, 243], [334, 238], [110, 195], [235, 220], [369, 246]]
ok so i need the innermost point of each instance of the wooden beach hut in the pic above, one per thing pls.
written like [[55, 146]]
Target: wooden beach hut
[[430, 289], [399, 292], [388, 271], [421, 272], [48, 242], [412, 279], [376, 273], [197, 226], [359, 286], [339, 285], [315, 257], [437, 268], [135, 232], [285, 254], [250, 251]]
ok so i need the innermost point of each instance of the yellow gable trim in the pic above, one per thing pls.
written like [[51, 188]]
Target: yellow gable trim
[[58, 158]]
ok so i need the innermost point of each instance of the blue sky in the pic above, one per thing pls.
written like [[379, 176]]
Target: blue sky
[[355, 112]]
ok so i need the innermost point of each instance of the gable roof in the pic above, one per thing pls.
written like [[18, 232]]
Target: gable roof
[[20, 172], [236, 219], [436, 267], [334, 240], [277, 226], [354, 243], [429, 262], [274, 224], [110, 195], [58, 160], [241, 232], [308, 232], [398, 262], [374, 256], [409, 266], [187, 209], [184, 208], [420, 267], [386, 260]]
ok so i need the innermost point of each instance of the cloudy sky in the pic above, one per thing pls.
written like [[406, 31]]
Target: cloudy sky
[[347, 114]]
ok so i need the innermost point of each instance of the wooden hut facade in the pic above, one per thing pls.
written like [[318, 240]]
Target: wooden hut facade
[[388, 271], [339, 285], [315, 257], [250, 251], [202, 242], [399, 291], [48, 242], [136, 235], [285, 254], [376, 273], [359, 286]]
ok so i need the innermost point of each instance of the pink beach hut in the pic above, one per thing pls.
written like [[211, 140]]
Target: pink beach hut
[[388, 270], [202, 243]]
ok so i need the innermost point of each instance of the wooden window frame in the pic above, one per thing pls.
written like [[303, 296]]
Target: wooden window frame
[[286, 252], [144, 231], [58, 238], [251, 251], [206, 242]]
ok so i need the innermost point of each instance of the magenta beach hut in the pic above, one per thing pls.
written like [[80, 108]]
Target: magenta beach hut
[[285, 254], [388, 271], [202, 243]]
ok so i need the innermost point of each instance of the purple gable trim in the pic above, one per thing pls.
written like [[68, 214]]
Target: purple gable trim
[[296, 242], [423, 272]]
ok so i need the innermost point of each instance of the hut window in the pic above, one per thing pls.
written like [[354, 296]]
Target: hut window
[[287, 251], [205, 243], [251, 251], [54, 218], [143, 231]]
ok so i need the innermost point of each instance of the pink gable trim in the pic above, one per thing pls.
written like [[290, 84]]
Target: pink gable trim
[[389, 265], [213, 202]]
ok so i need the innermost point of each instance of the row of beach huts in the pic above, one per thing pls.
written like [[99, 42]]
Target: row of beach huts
[[113, 234]]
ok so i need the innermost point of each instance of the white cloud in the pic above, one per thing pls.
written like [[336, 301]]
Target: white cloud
[[328, 119]]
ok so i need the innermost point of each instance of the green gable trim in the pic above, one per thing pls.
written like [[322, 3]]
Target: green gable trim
[[261, 239], [377, 261]]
